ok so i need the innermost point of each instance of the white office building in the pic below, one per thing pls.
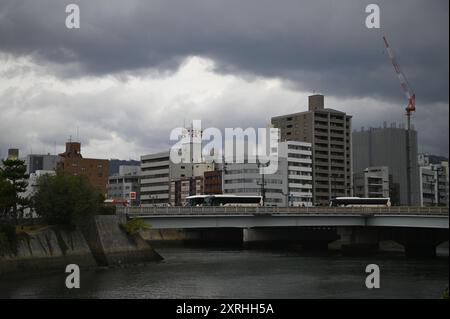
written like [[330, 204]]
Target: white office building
[[434, 182], [157, 170], [299, 172], [290, 185], [372, 183]]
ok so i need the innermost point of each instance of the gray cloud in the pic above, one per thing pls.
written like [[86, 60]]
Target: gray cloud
[[311, 45], [318, 45]]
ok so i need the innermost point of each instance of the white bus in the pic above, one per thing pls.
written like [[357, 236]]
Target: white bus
[[360, 202], [223, 200]]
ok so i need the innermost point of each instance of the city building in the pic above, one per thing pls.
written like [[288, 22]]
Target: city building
[[290, 185], [120, 185], [96, 170], [372, 183], [328, 131], [434, 181], [387, 146], [36, 162], [299, 172], [164, 182], [428, 186], [180, 189], [13, 154], [157, 171], [245, 179], [33, 186], [114, 165], [212, 182]]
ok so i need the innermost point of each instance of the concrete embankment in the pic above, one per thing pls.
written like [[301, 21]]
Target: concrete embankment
[[103, 244], [110, 245], [47, 249]]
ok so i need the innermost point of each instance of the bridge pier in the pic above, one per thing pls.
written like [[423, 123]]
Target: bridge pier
[[310, 238], [357, 240], [419, 242], [420, 250], [220, 235]]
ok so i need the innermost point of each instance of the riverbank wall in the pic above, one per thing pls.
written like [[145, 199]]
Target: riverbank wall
[[103, 243]]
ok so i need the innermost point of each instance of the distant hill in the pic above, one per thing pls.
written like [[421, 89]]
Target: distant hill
[[115, 163], [436, 159]]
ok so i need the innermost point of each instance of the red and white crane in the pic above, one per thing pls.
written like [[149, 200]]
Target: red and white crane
[[410, 95], [411, 107]]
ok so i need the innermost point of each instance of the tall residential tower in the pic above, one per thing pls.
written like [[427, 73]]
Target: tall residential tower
[[329, 132]]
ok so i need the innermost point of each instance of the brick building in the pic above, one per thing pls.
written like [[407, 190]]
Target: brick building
[[212, 182], [96, 170]]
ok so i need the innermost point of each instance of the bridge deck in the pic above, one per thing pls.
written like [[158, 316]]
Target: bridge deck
[[246, 217], [398, 210]]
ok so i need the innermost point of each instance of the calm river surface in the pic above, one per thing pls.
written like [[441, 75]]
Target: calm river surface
[[189, 272]]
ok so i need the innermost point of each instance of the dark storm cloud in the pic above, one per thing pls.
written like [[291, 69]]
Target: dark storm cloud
[[320, 45], [316, 45]]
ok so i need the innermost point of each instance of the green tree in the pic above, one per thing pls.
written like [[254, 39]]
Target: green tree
[[14, 172], [66, 200], [6, 199]]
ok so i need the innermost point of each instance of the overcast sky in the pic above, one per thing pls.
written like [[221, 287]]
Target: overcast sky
[[136, 69]]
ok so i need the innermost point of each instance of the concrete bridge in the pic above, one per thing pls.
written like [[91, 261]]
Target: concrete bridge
[[418, 229]]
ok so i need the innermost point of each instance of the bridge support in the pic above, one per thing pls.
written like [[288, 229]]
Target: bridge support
[[357, 240], [418, 242], [420, 250], [310, 238]]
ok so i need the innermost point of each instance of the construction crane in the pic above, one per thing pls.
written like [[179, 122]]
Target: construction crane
[[411, 107]]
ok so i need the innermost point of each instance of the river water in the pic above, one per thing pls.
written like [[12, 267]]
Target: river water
[[208, 272]]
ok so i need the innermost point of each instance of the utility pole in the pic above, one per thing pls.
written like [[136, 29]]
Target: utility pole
[[436, 172], [262, 184]]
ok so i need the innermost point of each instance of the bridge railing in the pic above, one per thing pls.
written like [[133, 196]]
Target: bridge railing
[[260, 211]]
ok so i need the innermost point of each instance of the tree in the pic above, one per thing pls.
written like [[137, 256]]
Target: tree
[[6, 198], [67, 200], [14, 172]]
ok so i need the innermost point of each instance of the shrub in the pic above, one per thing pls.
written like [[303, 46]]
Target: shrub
[[445, 294], [134, 226]]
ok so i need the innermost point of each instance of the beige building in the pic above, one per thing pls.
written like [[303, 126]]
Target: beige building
[[329, 132]]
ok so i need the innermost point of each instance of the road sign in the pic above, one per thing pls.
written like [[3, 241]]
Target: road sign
[[132, 195]]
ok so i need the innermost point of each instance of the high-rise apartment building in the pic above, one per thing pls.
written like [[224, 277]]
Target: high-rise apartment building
[[387, 146], [329, 132]]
